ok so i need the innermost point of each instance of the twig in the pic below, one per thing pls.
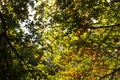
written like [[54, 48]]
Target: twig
[[93, 27], [112, 73]]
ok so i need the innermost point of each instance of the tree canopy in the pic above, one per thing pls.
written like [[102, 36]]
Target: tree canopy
[[59, 39]]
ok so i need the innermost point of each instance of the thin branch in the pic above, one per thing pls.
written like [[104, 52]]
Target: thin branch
[[116, 25], [112, 73], [93, 27]]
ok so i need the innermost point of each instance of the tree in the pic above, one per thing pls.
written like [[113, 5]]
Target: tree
[[61, 39], [85, 39], [19, 54]]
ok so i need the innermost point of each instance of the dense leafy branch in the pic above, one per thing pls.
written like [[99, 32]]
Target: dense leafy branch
[[8, 40], [30, 68]]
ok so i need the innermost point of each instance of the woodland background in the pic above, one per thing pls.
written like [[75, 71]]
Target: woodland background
[[59, 40]]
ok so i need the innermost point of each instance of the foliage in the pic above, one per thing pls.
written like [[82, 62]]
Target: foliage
[[59, 39]]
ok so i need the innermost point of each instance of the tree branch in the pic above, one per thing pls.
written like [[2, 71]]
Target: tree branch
[[13, 48], [116, 25], [8, 40], [112, 73]]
